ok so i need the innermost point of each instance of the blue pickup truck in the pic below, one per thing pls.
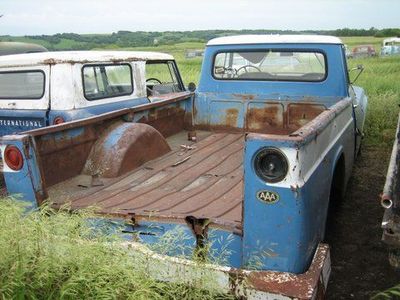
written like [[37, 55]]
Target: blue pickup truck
[[254, 156], [49, 88]]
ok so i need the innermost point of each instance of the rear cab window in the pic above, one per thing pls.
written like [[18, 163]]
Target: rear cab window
[[23, 85], [270, 65], [162, 78], [107, 81]]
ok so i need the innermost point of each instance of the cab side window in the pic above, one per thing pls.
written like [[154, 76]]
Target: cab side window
[[162, 78], [107, 81], [22, 84]]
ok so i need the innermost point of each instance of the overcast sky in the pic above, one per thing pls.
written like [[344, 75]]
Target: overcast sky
[[29, 17]]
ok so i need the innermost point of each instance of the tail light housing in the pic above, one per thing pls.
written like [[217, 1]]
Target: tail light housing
[[58, 120], [271, 165], [13, 158]]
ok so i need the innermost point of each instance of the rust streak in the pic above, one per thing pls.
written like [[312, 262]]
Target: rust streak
[[302, 286]]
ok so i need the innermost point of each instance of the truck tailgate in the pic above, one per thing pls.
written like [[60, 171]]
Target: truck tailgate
[[204, 182]]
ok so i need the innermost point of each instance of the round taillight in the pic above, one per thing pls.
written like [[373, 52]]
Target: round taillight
[[58, 120], [13, 158], [270, 165]]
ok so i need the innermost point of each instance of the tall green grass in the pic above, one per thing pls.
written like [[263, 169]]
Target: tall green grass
[[48, 255], [380, 80]]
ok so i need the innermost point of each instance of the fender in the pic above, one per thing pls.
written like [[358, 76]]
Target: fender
[[124, 147], [339, 152]]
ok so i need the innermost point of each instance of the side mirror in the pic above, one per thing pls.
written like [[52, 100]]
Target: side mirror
[[192, 87], [360, 69]]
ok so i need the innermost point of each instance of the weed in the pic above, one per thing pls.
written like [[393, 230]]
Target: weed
[[60, 255]]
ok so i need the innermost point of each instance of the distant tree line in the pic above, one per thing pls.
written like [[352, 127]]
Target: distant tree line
[[123, 39]]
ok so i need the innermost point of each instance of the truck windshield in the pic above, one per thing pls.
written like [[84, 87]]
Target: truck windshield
[[22, 85], [270, 65]]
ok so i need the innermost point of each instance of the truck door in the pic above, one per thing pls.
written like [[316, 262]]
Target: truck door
[[24, 98], [359, 100]]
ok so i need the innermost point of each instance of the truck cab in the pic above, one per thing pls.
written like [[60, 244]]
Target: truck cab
[[49, 88], [390, 46]]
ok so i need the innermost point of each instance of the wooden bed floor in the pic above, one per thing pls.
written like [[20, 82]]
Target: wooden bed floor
[[204, 182]]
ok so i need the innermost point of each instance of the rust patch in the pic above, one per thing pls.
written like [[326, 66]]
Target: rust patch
[[309, 285], [299, 114], [167, 121], [311, 129], [267, 119], [136, 145], [165, 192], [244, 96], [274, 118], [63, 157], [231, 117], [188, 120], [219, 128]]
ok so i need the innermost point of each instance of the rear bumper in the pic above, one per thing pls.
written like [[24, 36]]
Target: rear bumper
[[242, 283]]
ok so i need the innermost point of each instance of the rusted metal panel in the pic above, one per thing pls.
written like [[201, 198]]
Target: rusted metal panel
[[124, 147], [64, 154], [299, 114], [241, 283], [168, 121], [258, 116], [207, 185], [266, 117], [309, 285], [172, 98], [311, 130], [67, 146], [225, 116]]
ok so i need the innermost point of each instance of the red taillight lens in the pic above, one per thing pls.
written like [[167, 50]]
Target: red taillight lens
[[58, 120], [13, 158]]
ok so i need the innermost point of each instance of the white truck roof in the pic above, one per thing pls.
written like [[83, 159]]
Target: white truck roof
[[42, 58], [391, 40], [274, 39]]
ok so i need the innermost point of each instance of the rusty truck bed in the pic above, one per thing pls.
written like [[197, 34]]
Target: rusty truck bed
[[202, 179]]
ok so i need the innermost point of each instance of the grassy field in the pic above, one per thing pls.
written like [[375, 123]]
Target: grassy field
[[47, 255], [380, 81]]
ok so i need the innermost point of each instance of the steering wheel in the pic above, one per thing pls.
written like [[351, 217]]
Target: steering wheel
[[150, 89], [154, 79], [245, 68]]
